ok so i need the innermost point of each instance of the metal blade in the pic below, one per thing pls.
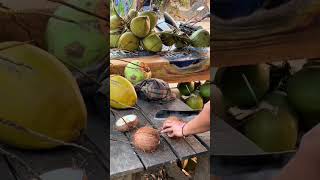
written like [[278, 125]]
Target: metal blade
[[185, 115]]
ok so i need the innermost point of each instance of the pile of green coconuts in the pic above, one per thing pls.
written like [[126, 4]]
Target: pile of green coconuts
[[137, 31], [281, 113], [194, 94]]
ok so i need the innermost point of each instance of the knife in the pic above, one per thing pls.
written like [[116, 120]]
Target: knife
[[168, 19], [185, 115]]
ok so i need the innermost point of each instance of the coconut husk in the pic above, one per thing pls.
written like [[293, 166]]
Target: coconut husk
[[146, 139]]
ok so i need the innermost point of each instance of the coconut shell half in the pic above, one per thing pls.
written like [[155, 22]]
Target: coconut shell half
[[146, 139], [127, 123]]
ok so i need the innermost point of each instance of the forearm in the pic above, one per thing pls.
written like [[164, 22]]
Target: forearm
[[200, 123], [299, 168]]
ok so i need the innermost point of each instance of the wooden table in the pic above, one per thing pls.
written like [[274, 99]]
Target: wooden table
[[95, 165], [124, 159]]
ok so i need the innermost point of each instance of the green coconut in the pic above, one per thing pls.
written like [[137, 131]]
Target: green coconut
[[167, 38], [180, 44], [114, 38], [132, 14], [153, 17], [218, 102], [195, 102], [152, 43], [140, 26], [200, 38], [81, 45], [137, 71], [235, 88], [128, 41], [304, 96], [38, 93], [116, 22], [186, 88], [272, 131], [205, 90], [279, 99]]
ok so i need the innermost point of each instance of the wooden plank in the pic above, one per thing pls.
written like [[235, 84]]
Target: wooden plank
[[205, 137], [161, 68], [179, 105], [228, 141], [5, 171], [184, 148], [98, 131], [163, 155], [123, 159]]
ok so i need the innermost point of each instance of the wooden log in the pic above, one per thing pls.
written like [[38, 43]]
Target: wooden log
[[288, 32], [162, 69], [25, 26], [292, 46]]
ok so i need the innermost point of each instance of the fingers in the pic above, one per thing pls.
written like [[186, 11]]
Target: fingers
[[171, 134], [168, 130], [167, 125]]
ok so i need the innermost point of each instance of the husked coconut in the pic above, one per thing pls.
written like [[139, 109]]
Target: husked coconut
[[146, 139]]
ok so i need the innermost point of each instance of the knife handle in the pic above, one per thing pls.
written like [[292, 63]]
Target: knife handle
[[168, 19]]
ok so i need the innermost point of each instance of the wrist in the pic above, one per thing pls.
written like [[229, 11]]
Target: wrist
[[184, 129]]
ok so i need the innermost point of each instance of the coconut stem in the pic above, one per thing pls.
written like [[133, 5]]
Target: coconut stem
[[11, 61], [16, 45], [42, 136], [22, 162], [81, 72], [253, 94], [79, 9], [115, 10]]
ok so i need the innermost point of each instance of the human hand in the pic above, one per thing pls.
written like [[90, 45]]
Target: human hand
[[310, 145], [173, 127]]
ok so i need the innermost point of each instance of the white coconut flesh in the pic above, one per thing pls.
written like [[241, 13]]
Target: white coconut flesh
[[125, 120]]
